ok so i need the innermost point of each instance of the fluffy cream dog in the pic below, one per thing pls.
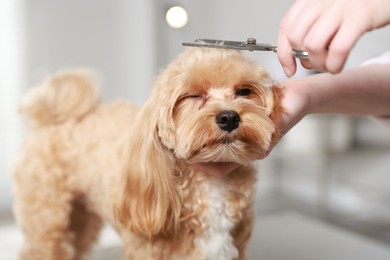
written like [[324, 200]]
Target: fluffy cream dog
[[85, 162]]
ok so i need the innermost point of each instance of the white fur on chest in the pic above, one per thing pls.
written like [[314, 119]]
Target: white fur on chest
[[216, 242]]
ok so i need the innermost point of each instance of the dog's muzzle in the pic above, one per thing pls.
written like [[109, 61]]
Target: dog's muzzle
[[228, 120]]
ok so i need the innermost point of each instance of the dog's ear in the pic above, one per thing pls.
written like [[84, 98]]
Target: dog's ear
[[166, 126], [277, 109], [272, 95], [148, 200]]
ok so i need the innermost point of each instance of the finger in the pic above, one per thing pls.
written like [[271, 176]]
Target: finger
[[320, 35], [264, 154], [306, 63], [347, 36], [302, 23], [291, 15], [341, 45], [284, 55], [284, 47]]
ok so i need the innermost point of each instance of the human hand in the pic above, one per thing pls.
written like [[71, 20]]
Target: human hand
[[296, 104], [327, 29]]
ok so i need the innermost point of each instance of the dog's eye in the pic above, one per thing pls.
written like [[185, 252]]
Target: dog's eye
[[243, 92], [194, 96]]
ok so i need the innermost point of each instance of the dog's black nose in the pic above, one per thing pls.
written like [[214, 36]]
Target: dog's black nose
[[228, 120]]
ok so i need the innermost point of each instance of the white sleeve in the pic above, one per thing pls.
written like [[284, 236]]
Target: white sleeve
[[382, 59]]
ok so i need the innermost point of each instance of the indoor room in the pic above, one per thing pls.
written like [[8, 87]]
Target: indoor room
[[322, 193]]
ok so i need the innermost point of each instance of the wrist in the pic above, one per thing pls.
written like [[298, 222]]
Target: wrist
[[320, 93]]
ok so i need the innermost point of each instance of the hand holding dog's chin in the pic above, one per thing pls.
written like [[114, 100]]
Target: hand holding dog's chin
[[217, 169], [296, 103]]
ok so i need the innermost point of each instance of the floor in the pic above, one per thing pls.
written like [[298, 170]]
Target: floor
[[291, 235], [349, 189], [333, 206], [282, 236]]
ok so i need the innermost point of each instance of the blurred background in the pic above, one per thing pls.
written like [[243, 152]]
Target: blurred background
[[324, 191]]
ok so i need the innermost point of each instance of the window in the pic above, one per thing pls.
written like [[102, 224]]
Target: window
[[11, 83]]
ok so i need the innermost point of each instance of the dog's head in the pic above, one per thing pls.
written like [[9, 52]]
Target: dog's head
[[210, 105], [215, 106]]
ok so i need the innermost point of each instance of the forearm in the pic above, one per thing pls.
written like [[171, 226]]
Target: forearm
[[359, 91]]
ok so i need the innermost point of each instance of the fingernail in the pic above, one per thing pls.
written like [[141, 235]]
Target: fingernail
[[287, 71], [262, 156]]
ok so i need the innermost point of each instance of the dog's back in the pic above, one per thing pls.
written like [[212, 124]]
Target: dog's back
[[66, 151]]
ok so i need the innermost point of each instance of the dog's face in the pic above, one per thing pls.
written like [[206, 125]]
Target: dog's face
[[215, 106], [210, 105]]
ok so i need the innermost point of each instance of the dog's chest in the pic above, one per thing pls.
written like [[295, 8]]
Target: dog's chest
[[216, 241]]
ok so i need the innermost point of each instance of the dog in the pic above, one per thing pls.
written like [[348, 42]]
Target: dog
[[85, 162]]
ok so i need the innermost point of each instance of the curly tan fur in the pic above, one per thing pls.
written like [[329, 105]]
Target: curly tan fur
[[85, 162]]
